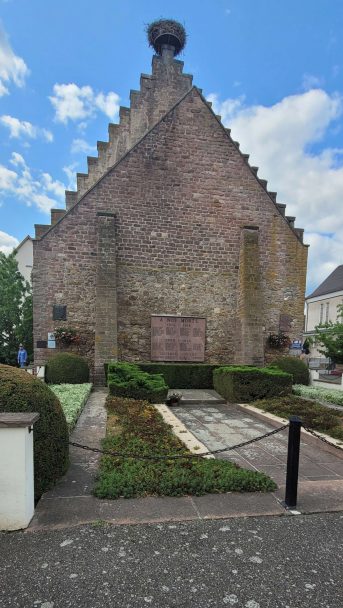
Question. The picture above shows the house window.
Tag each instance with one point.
(327, 312)
(321, 313)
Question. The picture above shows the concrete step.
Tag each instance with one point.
(198, 396)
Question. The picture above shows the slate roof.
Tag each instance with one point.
(334, 282)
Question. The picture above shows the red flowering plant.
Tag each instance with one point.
(65, 336)
(279, 340)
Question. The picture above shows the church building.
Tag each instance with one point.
(172, 248)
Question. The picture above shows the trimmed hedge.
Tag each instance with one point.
(183, 375)
(66, 368)
(20, 392)
(294, 366)
(127, 380)
(180, 375)
(249, 383)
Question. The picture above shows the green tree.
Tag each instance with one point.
(330, 337)
(15, 311)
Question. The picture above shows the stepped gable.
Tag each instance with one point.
(159, 93)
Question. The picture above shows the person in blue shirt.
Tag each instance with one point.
(22, 356)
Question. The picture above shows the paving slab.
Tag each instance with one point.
(197, 396)
(268, 455)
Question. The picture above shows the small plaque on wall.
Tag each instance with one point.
(41, 344)
(178, 338)
(285, 323)
(59, 313)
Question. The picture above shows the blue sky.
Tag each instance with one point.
(274, 71)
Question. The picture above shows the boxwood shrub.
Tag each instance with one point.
(294, 366)
(183, 375)
(249, 383)
(128, 380)
(66, 368)
(20, 392)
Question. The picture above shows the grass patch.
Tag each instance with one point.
(319, 394)
(72, 398)
(137, 427)
(313, 415)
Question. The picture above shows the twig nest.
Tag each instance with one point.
(169, 32)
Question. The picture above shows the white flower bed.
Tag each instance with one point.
(73, 398)
(320, 394)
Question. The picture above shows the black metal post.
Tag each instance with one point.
(293, 462)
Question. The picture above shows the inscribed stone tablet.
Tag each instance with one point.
(177, 338)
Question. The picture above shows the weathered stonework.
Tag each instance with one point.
(193, 231)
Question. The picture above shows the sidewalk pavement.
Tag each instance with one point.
(71, 503)
(264, 562)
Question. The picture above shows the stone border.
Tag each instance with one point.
(181, 431)
(276, 421)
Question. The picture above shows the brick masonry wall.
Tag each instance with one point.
(181, 199)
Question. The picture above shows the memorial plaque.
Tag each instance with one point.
(285, 323)
(177, 338)
(41, 344)
(59, 313)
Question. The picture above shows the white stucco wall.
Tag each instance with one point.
(326, 303)
(24, 257)
(16, 478)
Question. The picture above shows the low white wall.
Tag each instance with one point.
(16, 472)
(316, 383)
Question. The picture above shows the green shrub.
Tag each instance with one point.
(249, 383)
(294, 366)
(66, 368)
(137, 427)
(180, 375)
(20, 392)
(127, 380)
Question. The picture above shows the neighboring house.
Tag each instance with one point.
(321, 304)
(24, 257)
(172, 248)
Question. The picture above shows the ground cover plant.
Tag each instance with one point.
(72, 398)
(312, 414)
(20, 392)
(247, 383)
(137, 427)
(319, 394)
(128, 380)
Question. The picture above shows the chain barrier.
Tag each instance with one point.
(323, 439)
(176, 456)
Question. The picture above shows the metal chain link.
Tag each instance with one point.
(323, 439)
(178, 456)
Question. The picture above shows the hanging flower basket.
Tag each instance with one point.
(66, 336)
(278, 341)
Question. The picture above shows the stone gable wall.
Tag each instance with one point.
(181, 200)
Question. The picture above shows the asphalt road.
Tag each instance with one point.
(276, 562)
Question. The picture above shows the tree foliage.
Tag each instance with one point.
(330, 337)
(15, 311)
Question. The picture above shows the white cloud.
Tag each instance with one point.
(81, 146)
(70, 171)
(13, 69)
(279, 139)
(32, 190)
(75, 103)
(7, 242)
(22, 128)
(326, 252)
